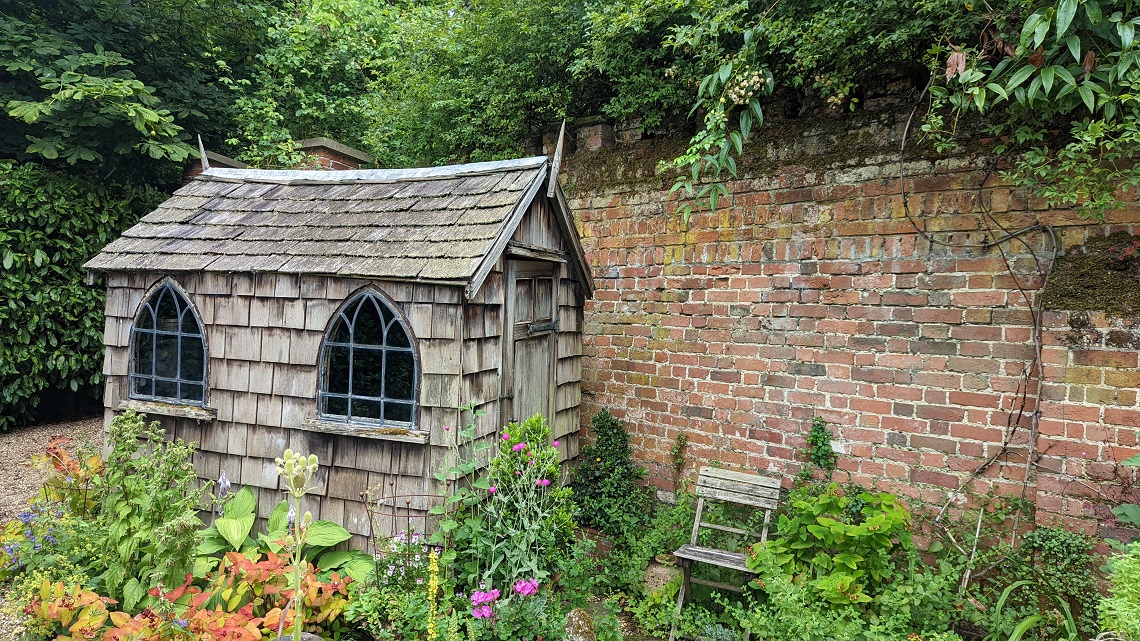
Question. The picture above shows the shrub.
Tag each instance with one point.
(1120, 612)
(847, 545)
(50, 224)
(1054, 566)
(606, 482)
(149, 511)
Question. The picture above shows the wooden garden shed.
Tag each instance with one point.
(350, 314)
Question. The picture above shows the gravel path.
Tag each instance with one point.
(20, 479)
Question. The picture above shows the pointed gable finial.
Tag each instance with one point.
(202, 151)
(556, 163)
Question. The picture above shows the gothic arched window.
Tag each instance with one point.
(168, 353)
(368, 365)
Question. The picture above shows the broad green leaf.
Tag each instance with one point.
(133, 592)
(1127, 31)
(1019, 77)
(333, 560)
(1074, 44)
(1087, 97)
(359, 568)
(1040, 32)
(235, 530)
(1063, 74)
(996, 88)
(1128, 513)
(242, 503)
(1047, 74)
(1092, 10)
(279, 517)
(725, 71)
(326, 534)
(1065, 12)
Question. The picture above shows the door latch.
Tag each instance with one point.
(534, 328)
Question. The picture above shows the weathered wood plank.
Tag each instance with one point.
(269, 410)
(712, 556)
(736, 497)
(740, 477)
(295, 380)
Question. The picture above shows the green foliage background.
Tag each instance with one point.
(50, 224)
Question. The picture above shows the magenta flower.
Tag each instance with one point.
(480, 598)
(492, 489)
(527, 587)
(519, 447)
(542, 482)
(556, 443)
(482, 612)
(506, 437)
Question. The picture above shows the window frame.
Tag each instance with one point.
(185, 306)
(354, 303)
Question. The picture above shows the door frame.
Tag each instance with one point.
(514, 269)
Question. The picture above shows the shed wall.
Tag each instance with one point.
(263, 336)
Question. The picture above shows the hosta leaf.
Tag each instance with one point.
(326, 534)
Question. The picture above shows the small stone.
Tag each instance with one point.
(580, 626)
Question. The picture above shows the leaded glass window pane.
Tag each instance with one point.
(368, 366)
(168, 354)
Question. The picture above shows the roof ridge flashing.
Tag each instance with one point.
(332, 177)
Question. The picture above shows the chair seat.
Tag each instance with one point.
(712, 556)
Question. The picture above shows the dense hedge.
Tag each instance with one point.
(51, 320)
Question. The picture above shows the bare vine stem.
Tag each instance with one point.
(1028, 392)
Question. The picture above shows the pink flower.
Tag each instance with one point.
(527, 587)
(556, 443)
(506, 437)
(519, 447)
(480, 598)
(518, 472)
(482, 612)
(447, 429)
(542, 482)
(492, 489)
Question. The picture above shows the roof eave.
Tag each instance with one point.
(487, 264)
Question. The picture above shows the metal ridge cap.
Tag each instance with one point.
(334, 177)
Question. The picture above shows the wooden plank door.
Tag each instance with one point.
(533, 322)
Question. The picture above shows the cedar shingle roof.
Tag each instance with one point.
(435, 224)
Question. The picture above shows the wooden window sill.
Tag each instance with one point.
(377, 432)
(196, 412)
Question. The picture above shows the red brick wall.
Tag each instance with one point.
(809, 293)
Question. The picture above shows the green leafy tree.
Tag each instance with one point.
(113, 86)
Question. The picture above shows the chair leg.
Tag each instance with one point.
(681, 594)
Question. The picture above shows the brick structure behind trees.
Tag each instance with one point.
(810, 294)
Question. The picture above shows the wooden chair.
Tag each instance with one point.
(715, 484)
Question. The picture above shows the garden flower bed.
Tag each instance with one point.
(116, 550)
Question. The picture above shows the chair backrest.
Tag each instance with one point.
(713, 483)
